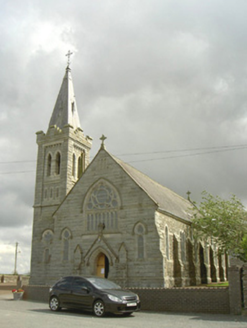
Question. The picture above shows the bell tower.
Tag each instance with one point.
(63, 152)
(63, 155)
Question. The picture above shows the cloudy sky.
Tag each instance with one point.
(164, 80)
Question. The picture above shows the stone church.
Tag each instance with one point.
(106, 218)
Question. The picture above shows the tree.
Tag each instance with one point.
(225, 221)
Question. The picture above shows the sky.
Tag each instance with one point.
(164, 80)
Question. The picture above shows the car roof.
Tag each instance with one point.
(83, 277)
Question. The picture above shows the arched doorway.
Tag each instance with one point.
(102, 264)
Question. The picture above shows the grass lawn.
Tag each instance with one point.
(218, 284)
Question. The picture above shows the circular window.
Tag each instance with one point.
(102, 197)
(66, 234)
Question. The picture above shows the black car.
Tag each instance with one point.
(92, 294)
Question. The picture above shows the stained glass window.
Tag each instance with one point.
(102, 207)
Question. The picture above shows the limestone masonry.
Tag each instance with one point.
(106, 218)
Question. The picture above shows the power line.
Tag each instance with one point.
(10, 162)
(184, 150)
(186, 155)
(152, 152)
(203, 151)
(155, 152)
(16, 172)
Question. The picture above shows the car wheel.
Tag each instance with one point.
(54, 304)
(99, 308)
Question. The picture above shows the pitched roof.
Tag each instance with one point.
(65, 110)
(166, 200)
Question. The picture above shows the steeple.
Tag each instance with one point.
(63, 152)
(65, 110)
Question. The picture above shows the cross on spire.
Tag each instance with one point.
(103, 138)
(68, 55)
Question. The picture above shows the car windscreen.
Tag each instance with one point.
(103, 283)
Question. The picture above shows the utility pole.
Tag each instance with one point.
(16, 251)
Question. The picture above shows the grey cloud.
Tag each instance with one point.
(152, 76)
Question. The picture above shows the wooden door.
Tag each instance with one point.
(101, 265)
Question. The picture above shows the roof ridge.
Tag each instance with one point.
(146, 176)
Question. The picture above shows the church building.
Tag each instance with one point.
(106, 218)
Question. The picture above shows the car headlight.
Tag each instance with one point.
(137, 298)
(114, 298)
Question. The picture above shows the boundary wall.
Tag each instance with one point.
(197, 300)
(181, 299)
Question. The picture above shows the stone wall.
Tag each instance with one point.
(235, 295)
(14, 279)
(36, 293)
(197, 300)
(9, 278)
(188, 299)
(244, 286)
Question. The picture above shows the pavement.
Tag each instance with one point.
(28, 314)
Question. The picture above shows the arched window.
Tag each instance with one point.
(58, 163)
(167, 244)
(49, 160)
(101, 207)
(65, 237)
(73, 165)
(139, 232)
(47, 238)
(183, 246)
(81, 165)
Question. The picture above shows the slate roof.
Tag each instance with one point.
(166, 200)
(65, 110)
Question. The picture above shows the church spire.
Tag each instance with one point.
(65, 110)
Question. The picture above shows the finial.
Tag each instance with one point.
(103, 138)
(68, 55)
(188, 193)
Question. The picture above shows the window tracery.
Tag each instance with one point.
(102, 206)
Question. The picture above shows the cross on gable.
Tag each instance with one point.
(68, 55)
(103, 138)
